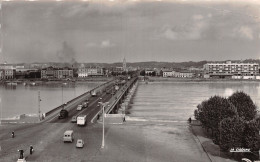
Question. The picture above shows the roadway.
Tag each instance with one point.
(91, 111)
(49, 133)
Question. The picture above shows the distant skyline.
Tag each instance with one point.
(107, 31)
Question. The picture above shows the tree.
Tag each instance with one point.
(213, 111)
(153, 73)
(202, 116)
(246, 109)
(142, 73)
(196, 114)
(231, 133)
(250, 136)
(124, 73)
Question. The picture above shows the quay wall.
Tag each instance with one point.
(162, 79)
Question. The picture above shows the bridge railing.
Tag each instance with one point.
(78, 99)
(121, 92)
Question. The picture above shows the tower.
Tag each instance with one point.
(124, 64)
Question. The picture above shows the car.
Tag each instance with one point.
(74, 119)
(79, 107)
(80, 143)
(85, 104)
(21, 160)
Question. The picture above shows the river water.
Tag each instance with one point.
(176, 101)
(20, 99)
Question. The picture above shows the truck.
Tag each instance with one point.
(63, 114)
(81, 120)
(68, 136)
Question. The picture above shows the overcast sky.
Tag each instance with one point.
(144, 30)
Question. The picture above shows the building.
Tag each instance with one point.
(91, 71)
(8, 71)
(149, 72)
(48, 73)
(184, 74)
(117, 70)
(168, 73)
(1, 74)
(229, 69)
(56, 73)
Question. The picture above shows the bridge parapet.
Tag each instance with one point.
(80, 98)
(119, 95)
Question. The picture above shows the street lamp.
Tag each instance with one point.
(62, 93)
(103, 136)
(39, 105)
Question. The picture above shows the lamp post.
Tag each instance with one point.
(103, 119)
(39, 105)
(62, 93)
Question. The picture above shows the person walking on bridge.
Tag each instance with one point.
(31, 149)
(21, 154)
(12, 134)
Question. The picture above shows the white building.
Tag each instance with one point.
(168, 73)
(7, 71)
(91, 71)
(228, 69)
(186, 74)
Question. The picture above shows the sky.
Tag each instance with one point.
(106, 31)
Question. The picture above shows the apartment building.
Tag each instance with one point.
(231, 69)
(91, 71)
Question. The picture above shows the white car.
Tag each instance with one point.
(21, 160)
(80, 143)
(79, 107)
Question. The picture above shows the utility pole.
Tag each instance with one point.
(39, 105)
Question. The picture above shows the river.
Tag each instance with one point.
(20, 99)
(176, 101)
(171, 101)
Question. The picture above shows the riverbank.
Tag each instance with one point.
(38, 81)
(162, 79)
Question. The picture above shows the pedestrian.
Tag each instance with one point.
(124, 119)
(31, 149)
(12, 134)
(21, 154)
(189, 119)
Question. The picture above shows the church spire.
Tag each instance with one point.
(124, 64)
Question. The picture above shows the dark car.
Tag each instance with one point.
(74, 119)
